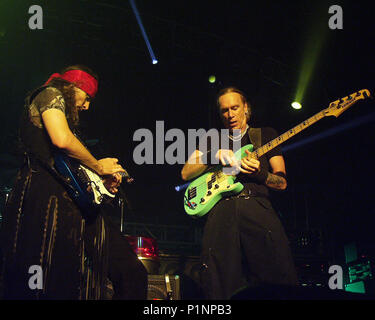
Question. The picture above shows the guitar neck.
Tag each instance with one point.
(288, 134)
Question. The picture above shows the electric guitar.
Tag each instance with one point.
(205, 191)
(84, 185)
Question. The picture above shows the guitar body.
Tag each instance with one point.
(204, 192)
(83, 185)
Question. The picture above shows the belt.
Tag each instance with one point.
(247, 193)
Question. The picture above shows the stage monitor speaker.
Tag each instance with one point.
(163, 287)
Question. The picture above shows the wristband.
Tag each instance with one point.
(261, 176)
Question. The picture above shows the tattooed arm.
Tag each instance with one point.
(277, 179)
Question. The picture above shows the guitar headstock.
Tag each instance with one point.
(339, 106)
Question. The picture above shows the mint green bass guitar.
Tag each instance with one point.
(205, 191)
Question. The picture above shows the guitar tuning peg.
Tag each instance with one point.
(350, 97)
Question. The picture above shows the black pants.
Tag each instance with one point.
(125, 270)
(244, 244)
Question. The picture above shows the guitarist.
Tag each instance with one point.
(244, 243)
(42, 225)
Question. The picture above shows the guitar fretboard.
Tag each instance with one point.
(287, 135)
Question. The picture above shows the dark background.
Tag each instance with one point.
(261, 48)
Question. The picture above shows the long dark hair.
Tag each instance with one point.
(68, 92)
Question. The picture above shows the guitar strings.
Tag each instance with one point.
(219, 177)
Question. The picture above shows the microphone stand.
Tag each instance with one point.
(121, 204)
(122, 200)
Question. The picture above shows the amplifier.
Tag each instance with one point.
(163, 287)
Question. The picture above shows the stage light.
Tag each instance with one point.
(212, 79)
(143, 31)
(316, 37)
(181, 187)
(296, 105)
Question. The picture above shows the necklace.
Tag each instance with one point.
(238, 137)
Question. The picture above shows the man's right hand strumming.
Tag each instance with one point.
(109, 166)
(226, 157)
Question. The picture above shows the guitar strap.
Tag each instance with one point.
(255, 136)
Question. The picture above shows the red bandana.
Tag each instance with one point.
(81, 79)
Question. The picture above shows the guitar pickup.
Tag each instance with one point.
(192, 193)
